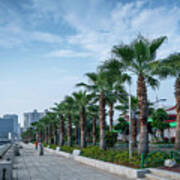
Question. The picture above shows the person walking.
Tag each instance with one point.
(41, 149)
(36, 145)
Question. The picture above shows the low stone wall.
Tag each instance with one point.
(164, 173)
(61, 153)
(109, 167)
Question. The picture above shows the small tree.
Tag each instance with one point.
(158, 123)
(123, 126)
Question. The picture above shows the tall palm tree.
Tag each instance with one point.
(137, 58)
(93, 114)
(97, 84)
(170, 66)
(82, 99)
(115, 85)
(59, 110)
(123, 107)
(68, 107)
(52, 128)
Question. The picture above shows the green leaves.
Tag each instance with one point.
(139, 58)
(155, 44)
(159, 117)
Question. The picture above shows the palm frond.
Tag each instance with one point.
(155, 44)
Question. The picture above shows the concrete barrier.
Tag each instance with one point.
(61, 153)
(165, 174)
(7, 159)
(5, 170)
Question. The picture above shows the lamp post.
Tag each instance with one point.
(130, 123)
(130, 120)
(157, 102)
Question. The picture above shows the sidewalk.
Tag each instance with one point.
(31, 166)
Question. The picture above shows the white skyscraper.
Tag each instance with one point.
(31, 117)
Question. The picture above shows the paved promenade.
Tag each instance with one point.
(31, 166)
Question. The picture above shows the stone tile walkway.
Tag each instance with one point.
(31, 166)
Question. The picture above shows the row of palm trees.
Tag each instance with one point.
(106, 88)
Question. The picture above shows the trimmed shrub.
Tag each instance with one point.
(111, 139)
(68, 149)
(53, 146)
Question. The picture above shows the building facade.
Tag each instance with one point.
(31, 117)
(9, 126)
(15, 122)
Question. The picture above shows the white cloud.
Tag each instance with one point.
(45, 37)
(12, 35)
(125, 22)
(69, 54)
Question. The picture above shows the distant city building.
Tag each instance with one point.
(15, 122)
(31, 117)
(9, 125)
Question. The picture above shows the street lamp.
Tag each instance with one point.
(130, 120)
(158, 100)
(130, 123)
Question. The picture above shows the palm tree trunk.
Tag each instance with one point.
(76, 129)
(55, 135)
(46, 135)
(134, 132)
(162, 135)
(102, 120)
(142, 104)
(61, 133)
(82, 124)
(111, 113)
(177, 95)
(124, 138)
(69, 131)
(94, 130)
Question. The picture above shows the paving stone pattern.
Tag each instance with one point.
(31, 166)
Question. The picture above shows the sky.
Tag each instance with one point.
(47, 46)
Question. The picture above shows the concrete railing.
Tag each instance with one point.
(6, 161)
(4, 149)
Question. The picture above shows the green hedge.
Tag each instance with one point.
(68, 149)
(113, 156)
(118, 157)
(53, 146)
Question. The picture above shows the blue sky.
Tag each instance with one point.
(46, 46)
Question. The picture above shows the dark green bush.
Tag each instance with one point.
(111, 139)
(68, 149)
(44, 144)
(53, 146)
(113, 156)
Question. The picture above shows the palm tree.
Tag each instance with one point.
(123, 107)
(59, 110)
(81, 99)
(170, 66)
(93, 114)
(68, 107)
(137, 58)
(97, 85)
(115, 86)
(52, 128)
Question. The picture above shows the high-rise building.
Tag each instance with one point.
(9, 125)
(15, 121)
(31, 117)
